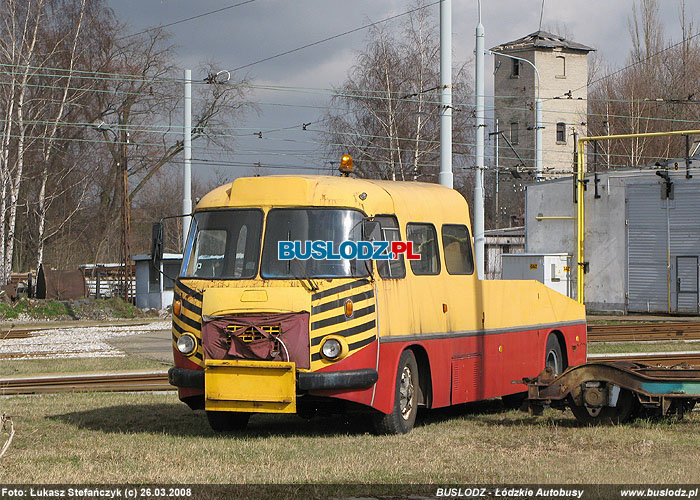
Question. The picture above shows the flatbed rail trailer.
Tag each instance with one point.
(615, 391)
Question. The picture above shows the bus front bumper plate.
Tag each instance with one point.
(250, 386)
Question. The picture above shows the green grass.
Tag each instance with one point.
(44, 309)
(627, 347)
(115, 306)
(152, 437)
(77, 365)
(36, 309)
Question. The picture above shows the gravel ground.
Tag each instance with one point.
(83, 342)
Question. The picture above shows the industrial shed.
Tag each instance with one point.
(642, 237)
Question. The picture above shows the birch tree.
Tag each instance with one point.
(17, 46)
(387, 113)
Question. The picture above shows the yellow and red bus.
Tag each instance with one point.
(256, 334)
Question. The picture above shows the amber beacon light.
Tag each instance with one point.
(346, 167)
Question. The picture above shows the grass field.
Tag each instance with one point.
(152, 437)
(624, 347)
(77, 365)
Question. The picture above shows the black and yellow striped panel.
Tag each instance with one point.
(190, 318)
(328, 318)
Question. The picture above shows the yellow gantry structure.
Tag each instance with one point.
(580, 171)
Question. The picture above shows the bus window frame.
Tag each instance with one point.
(403, 261)
(437, 248)
(444, 252)
(263, 238)
(190, 244)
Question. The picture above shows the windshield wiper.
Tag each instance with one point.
(312, 284)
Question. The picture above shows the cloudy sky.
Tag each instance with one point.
(263, 28)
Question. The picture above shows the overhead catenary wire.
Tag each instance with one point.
(635, 63)
(191, 18)
(318, 42)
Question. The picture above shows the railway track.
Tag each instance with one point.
(110, 382)
(653, 359)
(158, 381)
(645, 332)
(23, 333)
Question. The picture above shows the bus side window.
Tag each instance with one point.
(424, 238)
(390, 269)
(456, 244)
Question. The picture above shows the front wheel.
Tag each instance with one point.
(403, 416)
(227, 421)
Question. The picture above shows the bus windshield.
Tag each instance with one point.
(223, 244)
(311, 224)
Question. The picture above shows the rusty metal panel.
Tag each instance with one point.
(466, 378)
(60, 285)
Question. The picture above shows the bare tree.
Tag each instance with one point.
(386, 114)
(79, 103)
(655, 92)
(18, 44)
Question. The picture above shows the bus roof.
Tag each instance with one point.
(412, 201)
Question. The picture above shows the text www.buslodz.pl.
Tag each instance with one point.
(349, 250)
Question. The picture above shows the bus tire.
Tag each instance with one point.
(403, 416)
(553, 357)
(227, 421)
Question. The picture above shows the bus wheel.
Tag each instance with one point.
(552, 355)
(403, 416)
(227, 421)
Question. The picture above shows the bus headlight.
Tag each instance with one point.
(334, 348)
(186, 344)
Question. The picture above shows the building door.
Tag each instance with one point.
(663, 237)
(687, 284)
(647, 246)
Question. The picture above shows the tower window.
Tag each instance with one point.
(515, 69)
(561, 66)
(561, 133)
(514, 132)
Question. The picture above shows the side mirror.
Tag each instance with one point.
(371, 230)
(157, 243)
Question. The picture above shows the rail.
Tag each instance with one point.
(644, 332)
(91, 382)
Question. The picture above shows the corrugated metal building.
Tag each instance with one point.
(496, 243)
(642, 239)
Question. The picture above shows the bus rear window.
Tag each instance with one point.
(457, 245)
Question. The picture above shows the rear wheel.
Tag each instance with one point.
(403, 416)
(227, 421)
(553, 357)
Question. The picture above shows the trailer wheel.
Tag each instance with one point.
(553, 357)
(606, 415)
(403, 416)
(227, 421)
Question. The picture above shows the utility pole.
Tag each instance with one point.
(446, 176)
(478, 223)
(187, 150)
(126, 220)
(498, 208)
(538, 115)
(538, 132)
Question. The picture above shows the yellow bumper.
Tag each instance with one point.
(250, 386)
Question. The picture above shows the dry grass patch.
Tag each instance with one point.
(77, 365)
(627, 347)
(152, 437)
